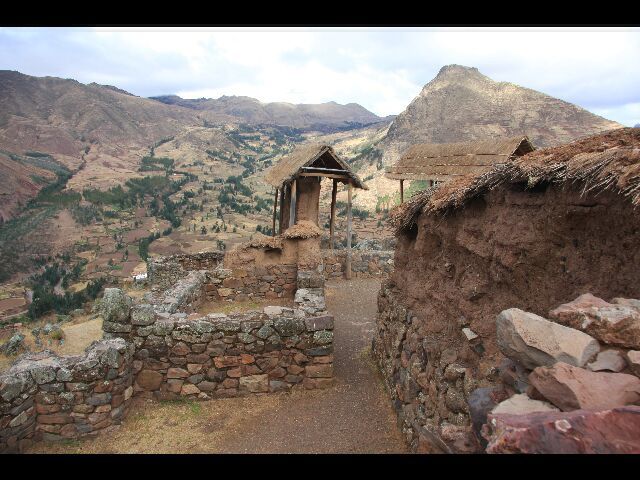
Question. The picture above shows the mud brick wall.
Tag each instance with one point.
(364, 263)
(163, 272)
(226, 356)
(259, 281)
(528, 249)
(45, 397)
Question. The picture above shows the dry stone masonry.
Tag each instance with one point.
(161, 349)
(46, 397)
(550, 394)
(364, 263)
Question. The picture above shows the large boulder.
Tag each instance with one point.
(580, 431)
(613, 324)
(534, 341)
(609, 360)
(14, 346)
(633, 359)
(571, 388)
(481, 402)
(521, 404)
(115, 306)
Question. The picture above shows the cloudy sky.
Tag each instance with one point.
(382, 69)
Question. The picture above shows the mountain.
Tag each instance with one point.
(461, 104)
(322, 116)
(637, 125)
(100, 133)
(64, 116)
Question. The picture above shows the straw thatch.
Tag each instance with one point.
(444, 161)
(315, 155)
(302, 229)
(608, 161)
(263, 241)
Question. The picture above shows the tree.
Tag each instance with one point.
(203, 230)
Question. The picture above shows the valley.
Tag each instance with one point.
(97, 179)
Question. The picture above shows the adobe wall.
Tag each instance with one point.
(307, 201)
(531, 250)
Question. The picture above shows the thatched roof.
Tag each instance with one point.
(312, 155)
(302, 229)
(445, 161)
(608, 161)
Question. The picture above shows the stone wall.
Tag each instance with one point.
(226, 356)
(46, 397)
(220, 356)
(255, 281)
(163, 272)
(364, 263)
(532, 250)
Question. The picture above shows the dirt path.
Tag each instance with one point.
(355, 415)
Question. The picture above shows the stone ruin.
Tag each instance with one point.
(159, 348)
(567, 384)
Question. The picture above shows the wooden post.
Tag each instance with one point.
(348, 263)
(275, 206)
(292, 204)
(281, 205)
(332, 220)
(401, 191)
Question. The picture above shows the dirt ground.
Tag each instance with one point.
(353, 416)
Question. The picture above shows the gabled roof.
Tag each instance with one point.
(306, 156)
(444, 161)
(607, 161)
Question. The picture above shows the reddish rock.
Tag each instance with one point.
(227, 361)
(194, 368)
(295, 369)
(45, 409)
(174, 385)
(189, 389)
(278, 372)
(149, 379)
(197, 358)
(323, 359)
(614, 324)
(230, 383)
(246, 359)
(180, 349)
(68, 431)
(234, 372)
(56, 418)
(177, 373)
(580, 431)
(572, 388)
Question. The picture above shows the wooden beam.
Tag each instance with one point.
(326, 175)
(281, 205)
(275, 207)
(292, 204)
(332, 220)
(342, 170)
(401, 191)
(348, 262)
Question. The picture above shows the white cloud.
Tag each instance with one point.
(383, 69)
